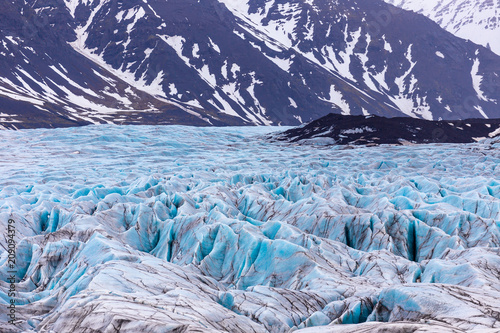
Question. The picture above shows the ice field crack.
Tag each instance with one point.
(265, 237)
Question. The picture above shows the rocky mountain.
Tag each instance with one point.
(221, 62)
(44, 82)
(374, 130)
(477, 20)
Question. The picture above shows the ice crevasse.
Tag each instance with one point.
(161, 229)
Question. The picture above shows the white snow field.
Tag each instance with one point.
(475, 20)
(179, 229)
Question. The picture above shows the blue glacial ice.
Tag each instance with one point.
(161, 229)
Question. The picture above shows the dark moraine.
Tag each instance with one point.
(362, 130)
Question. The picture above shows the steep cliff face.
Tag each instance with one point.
(236, 62)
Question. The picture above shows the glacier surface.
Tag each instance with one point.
(180, 229)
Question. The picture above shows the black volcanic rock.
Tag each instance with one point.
(368, 130)
(236, 62)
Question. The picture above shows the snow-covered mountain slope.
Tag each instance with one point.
(477, 20)
(182, 229)
(249, 61)
(44, 82)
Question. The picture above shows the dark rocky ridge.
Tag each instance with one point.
(368, 130)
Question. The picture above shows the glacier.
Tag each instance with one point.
(183, 229)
